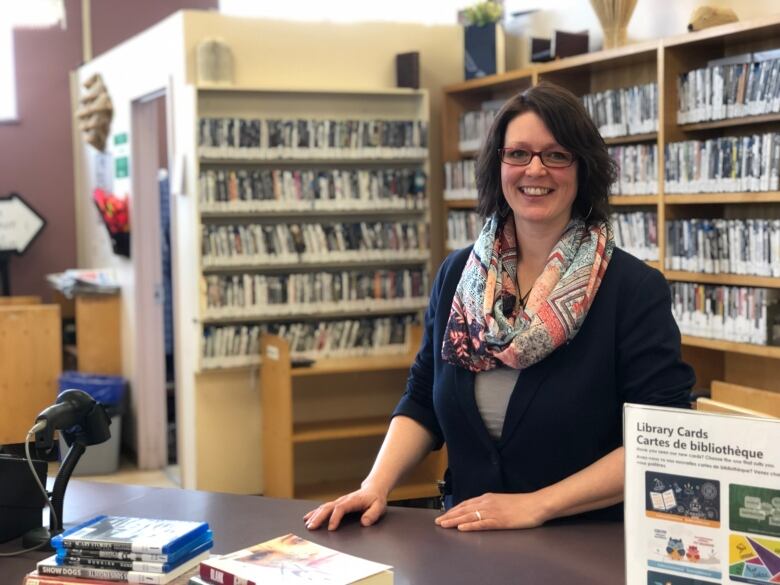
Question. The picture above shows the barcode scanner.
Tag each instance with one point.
(77, 415)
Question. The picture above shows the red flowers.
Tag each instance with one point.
(116, 216)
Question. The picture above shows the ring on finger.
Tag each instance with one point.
(478, 515)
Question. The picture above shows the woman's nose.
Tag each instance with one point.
(535, 167)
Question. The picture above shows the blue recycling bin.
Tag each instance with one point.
(110, 392)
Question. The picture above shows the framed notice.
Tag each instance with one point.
(702, 497)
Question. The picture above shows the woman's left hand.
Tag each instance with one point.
(495, 512)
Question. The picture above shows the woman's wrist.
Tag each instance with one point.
(375, 484)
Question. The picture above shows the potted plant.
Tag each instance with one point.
(484, 39)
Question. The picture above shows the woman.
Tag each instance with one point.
(534, 338)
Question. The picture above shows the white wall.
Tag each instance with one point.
(142, 65)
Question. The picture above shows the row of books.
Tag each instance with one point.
(460, 179)
(637, 233)
(637, 169)
(87, 554)
(732, 87)
(339, 338)
(302, 189)
(463, 227)
(726, 164)
(315, 242)
(473, 126)
(625, 111)
(109, 549)
(320, 291)
(724, 246)
(740, 314)
(310, 138)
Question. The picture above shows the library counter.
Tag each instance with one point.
(420, 552)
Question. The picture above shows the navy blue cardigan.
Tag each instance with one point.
(565, 412)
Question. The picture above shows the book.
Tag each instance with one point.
(35, 578)
(50, 566)
(205, 541)
(90, 560)
(293, 560)
(140, 535)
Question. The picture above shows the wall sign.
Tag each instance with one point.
(19, 224)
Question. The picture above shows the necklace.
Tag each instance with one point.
(524, 298)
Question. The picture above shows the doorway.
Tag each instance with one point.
(154, 395)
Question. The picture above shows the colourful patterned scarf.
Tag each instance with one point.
(488, 325)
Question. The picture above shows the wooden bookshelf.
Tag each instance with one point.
(632, 138)
(718, 198)
(662, 62)
(461, 203)
(731, 122)
(727, 279)
(763, 351)
(620, 200)
(322, 424)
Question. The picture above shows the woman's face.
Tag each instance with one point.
(539, 196)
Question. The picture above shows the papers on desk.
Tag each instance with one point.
(72, 282)
(702, 497)
(292, 560)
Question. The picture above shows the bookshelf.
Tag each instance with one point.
(461, 99)
(323, 424)
(663, 62)
(312, 209)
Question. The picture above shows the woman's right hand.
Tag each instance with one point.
(370, 501)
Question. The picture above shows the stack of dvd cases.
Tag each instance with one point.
(123, 549)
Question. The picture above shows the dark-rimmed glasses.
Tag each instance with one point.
(521, 157)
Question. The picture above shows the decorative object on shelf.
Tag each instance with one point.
(565, 44)
(707, 16)
(484, 40)
(214, 62)
(407, 70)
(116, 216)
(95, 113)
(614, 16)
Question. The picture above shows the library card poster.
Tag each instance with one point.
(702, 497)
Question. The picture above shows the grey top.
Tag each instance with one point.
(492, 390)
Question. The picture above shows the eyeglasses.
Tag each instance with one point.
(520, 157)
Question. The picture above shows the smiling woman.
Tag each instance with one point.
(528, 395)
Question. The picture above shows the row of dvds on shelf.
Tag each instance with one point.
(297, 189)
(460, 179)
(624, 111)
(474, 126)
(277, 138)
(732, 87)
(725, 164)
(637, 169)
(339, 338)
(463, 227)
(724, 246)
(310, 241)
(731, 313)
(637, 233)
(317, 291)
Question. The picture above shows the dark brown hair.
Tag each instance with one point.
(569, 122)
